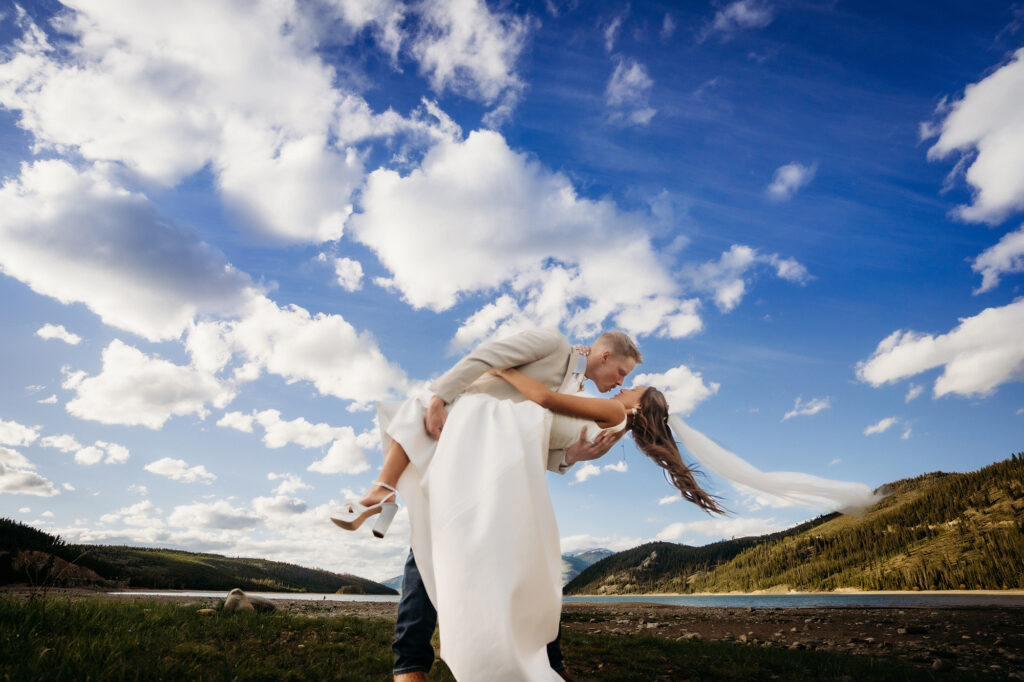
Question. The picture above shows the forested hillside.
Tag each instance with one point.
(31, 556)
(937, 531)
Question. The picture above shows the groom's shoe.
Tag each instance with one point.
(411, 677)
(564, 674)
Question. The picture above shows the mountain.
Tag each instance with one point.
(575, 562)
(936, 531)
(31, 556)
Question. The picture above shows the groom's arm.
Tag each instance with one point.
(514, 351)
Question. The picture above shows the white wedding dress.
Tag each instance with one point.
(483, 530)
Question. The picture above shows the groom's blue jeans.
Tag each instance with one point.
(415, 625)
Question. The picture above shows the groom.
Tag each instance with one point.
(547, 356)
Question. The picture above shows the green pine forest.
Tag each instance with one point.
(938, 531)
(30, 556)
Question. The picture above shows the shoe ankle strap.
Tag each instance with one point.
(384, 485)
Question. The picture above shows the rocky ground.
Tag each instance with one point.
(987, 640)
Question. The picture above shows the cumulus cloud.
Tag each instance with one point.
(986, 127)
(51, 400)
(217, 515)
(140, 515)
(179, 470)
(79, 238)
(737, 16)
(1005, 257)
(727, 278)
(715, 529)
(290, 342)
(290, 483)
(22, 481)
(57, 331)
(476, 216)
(346, 454)
(620, 467)
(237, 421)
(63, 442)
(881, 426)
(789, 179)
(250, 99)
(349, 273)
(587, 470)
(13, 458)
(977, 355)
(102, 451)
(684, 389)
(628, 92)
(812, 406)
(464, 47)
(913, 392)
(134, 388)
(13, 433)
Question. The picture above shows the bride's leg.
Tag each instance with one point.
(394, 464)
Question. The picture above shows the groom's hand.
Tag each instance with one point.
(584, 451)
(434, 421)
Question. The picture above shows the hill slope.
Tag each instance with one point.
(32, 556)
(936, 531)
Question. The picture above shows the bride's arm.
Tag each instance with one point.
(605, 412)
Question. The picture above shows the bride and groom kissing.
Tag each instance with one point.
(468, 460)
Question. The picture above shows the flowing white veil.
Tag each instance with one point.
(804, 490)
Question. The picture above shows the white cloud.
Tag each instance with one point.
(346, 454)
(812, 406)
(111, 453)
(628, 92)
(462, 46)
(139, 515)
(684, 389)
(57, 331)
(323, 349)
(587, 470)
(179, 470)
(77, 237)
(349, 273)
(914, 392)
(716, 529)
(13, 458)
(290, 483)
(279, 507)
(13, 433)
(1006, 256)
(23, 482)
(737, 16)
(834, 462)
(68, 487)
(620, 467)
(64, 443)
(906, 433)
(476, 216)
(789, 179)
(576, 543)
(219, 515)
(669, 499)
(247, 96)
(134, 388)
(52, 400)
(881, 426)
(978, 355)
(138, 489)
(611, 32)
(987, 128)
(668, 27)
(728, 277)
(237, 421)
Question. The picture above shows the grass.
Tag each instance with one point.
(56, 639)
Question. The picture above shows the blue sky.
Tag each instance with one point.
(227, 229)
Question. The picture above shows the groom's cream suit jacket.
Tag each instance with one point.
(543, 354)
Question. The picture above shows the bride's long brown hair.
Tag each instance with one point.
(653, 436)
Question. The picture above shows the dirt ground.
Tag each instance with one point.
(985, 639)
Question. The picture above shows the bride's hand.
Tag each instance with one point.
(497, 372)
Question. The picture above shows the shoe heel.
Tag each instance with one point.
(387, 513)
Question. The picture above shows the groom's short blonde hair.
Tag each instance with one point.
(620, 344)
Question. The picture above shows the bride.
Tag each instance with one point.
(483, 530)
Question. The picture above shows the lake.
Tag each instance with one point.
(757, 601)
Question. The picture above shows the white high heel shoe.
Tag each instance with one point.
(353, 514)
